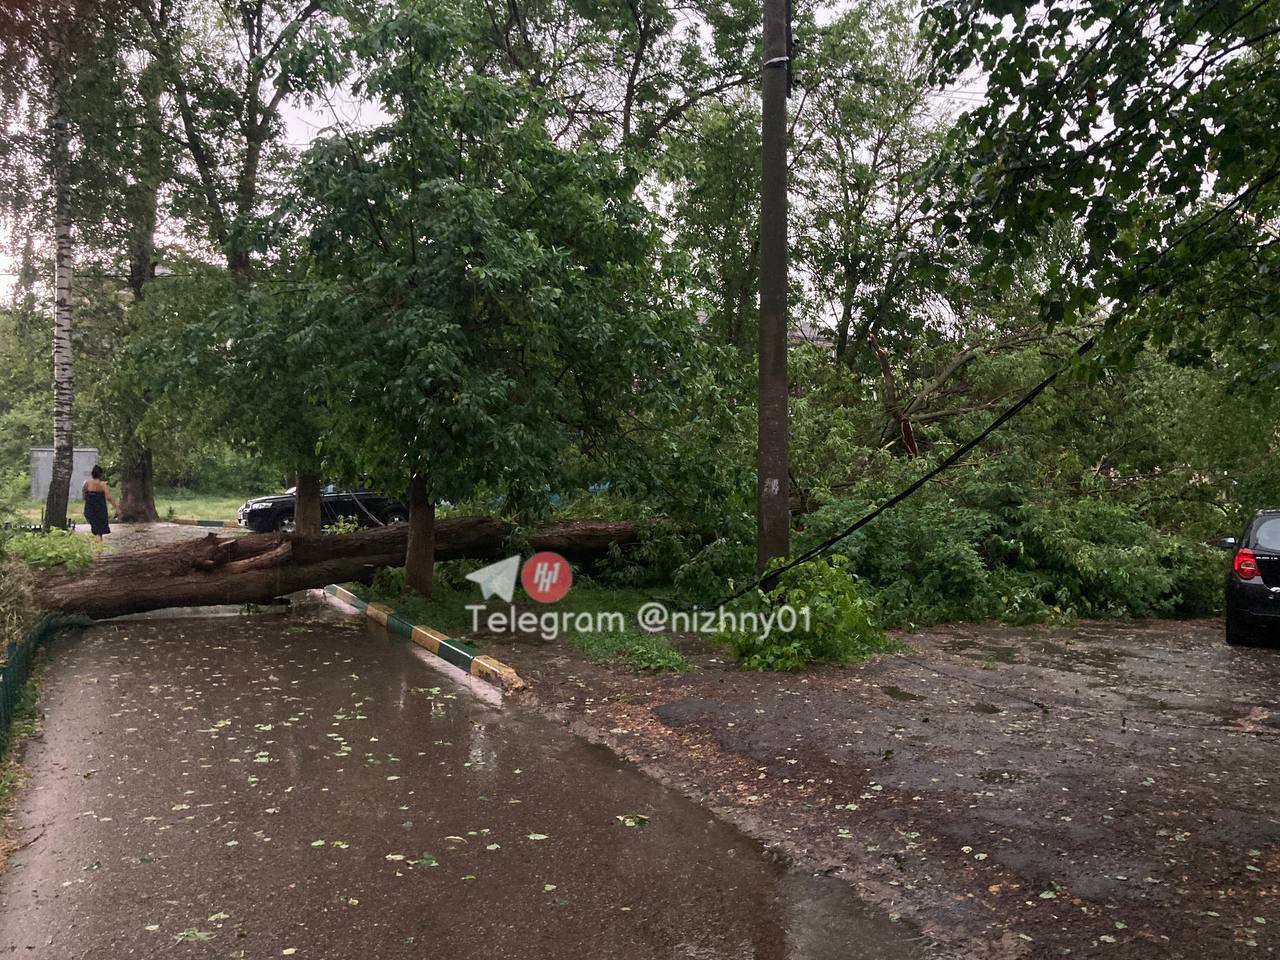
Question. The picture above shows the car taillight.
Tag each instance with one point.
(1245, 564)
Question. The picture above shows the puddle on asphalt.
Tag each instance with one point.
(826, 921)
(305, 785)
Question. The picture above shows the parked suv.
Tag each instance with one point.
(264, 514)
(1253, 582)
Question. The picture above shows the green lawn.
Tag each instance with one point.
(171, 504)
(186, 505)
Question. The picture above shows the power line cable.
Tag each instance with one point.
(814, 552)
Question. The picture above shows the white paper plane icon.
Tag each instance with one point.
(498, 578)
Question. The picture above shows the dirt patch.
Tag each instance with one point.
(1030, 791)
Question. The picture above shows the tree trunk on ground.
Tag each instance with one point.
(137, 487)
(306, 504)
(258, 567)
(420, 553)
(55, 510)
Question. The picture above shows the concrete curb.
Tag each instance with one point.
(203, 523)
(461, 655)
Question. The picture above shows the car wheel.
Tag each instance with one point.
(1237, 634)
(284, 523)
(396, 516)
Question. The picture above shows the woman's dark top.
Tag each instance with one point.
(95, 511)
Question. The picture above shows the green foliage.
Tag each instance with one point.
(712, 568)
(1147, 131)
(13, 497)
(972, 555)
(496, 284)
(16, 601)
(834, 620)
(641, 652)
(494, 290)
(53, 548)
(388, 583)
(342, 525)
(24, 382)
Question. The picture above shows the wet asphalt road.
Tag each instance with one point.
(306, 786)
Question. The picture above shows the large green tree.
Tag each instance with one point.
(495, 293)
(623, 72)
(227, 117)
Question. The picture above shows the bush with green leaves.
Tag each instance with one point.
(989, 546)
(51, 549)
(388, 583)
(835, 620)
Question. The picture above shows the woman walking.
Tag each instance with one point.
(97, 494)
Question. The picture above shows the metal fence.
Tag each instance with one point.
(16, 667)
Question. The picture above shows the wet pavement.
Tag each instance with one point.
(1095, 789)
(306, 786)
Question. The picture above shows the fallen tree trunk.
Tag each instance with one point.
(255, 568)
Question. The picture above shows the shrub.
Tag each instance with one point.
(388, 584)
(839, 625)
(983, 547)
(724, 561)
(51, 549)
(16, 602)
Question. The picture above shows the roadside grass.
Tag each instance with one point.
(446, 610)
(642, 652)
(21, 726)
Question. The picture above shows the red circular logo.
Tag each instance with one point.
(546, 576)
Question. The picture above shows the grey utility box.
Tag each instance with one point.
(42, 470)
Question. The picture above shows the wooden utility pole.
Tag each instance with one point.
(773, 513)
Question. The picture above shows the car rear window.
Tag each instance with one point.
(1267, 535)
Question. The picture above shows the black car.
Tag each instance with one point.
(264, 514)
(1253, 582)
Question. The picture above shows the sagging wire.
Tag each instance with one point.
(771, 577)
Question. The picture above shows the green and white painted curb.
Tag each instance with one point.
(461, 655)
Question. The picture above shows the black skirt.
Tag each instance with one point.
(95, 511)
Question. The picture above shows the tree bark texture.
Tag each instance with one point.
(55, 510)
(255, 568)
(137, 488)
(307, 504)
(420, 554)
